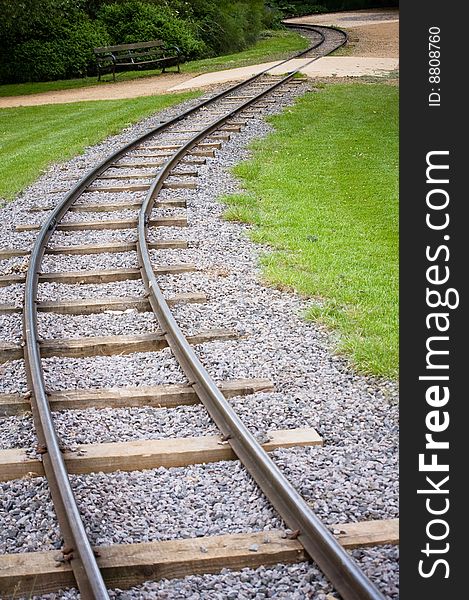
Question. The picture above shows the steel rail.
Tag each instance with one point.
(347, 578)
(77, 547)
(81, 555)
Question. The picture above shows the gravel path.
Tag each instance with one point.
(353, 478)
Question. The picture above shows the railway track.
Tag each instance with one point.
(139, 176)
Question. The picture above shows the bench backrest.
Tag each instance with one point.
(126, 47)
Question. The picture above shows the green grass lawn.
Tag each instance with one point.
(274, 45)
(322, 192)
(31, 138)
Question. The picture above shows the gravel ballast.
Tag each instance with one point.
(262, 412)
(205, 499)
(140, 368)
(353, 478)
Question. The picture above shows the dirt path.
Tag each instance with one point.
(146, 86)
(372, 33)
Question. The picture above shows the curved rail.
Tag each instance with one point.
(76, 542)
(318, 541)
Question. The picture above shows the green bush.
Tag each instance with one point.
(136, 21)
(37, 60)
(228, 27)
(70, 56)
(46, 42)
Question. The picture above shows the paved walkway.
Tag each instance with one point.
(340, 66)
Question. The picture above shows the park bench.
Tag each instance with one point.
(141, 55)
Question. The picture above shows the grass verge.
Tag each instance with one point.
(274, 45)
(322, 192)
(34, 137)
